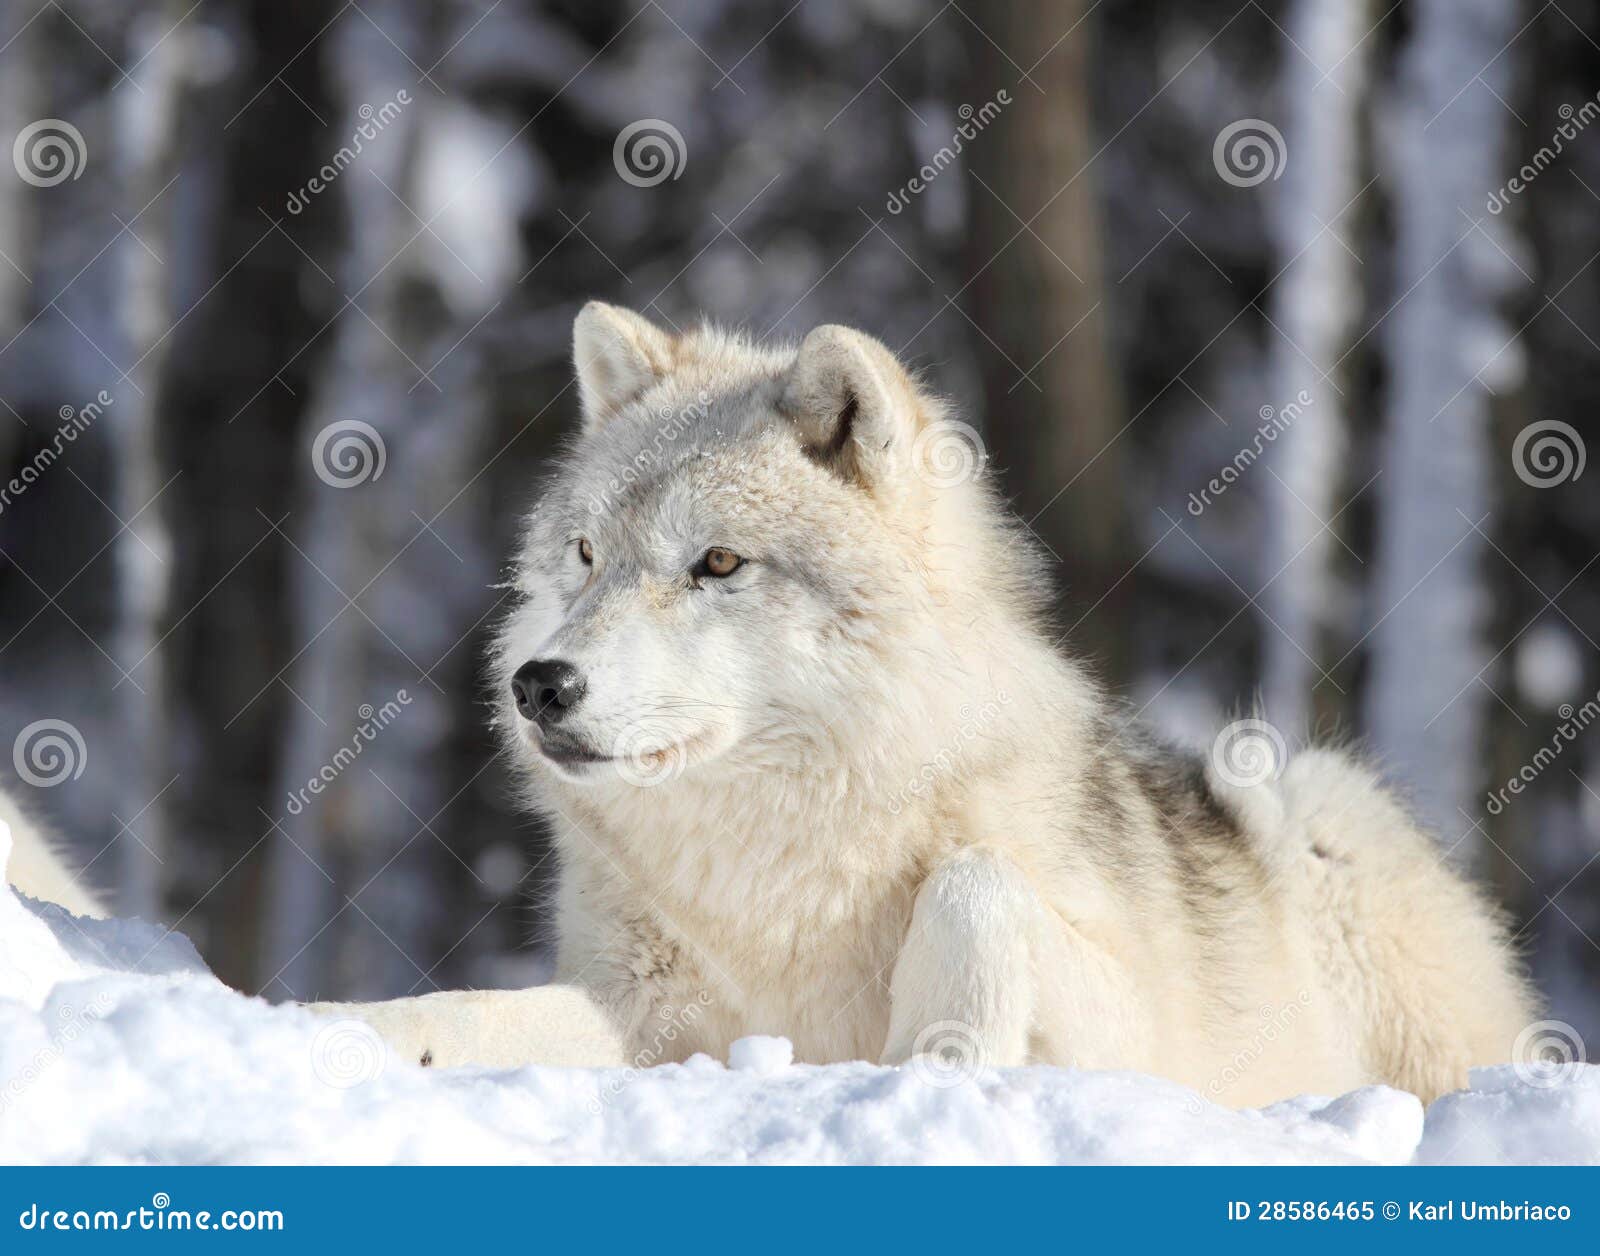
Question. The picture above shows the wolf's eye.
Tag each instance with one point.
(720, 562)
(586, 552)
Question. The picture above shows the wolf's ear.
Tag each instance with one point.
(617, 355)
(856, 408)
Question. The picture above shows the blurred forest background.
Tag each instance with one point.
(299, 280)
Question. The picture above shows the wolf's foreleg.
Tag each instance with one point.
(559, 1025)
(964, 985)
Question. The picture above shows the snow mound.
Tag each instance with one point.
(118, 1046)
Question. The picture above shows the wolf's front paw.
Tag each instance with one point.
(557, 1025)
(359, 1038)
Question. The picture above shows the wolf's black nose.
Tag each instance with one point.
(546, 689)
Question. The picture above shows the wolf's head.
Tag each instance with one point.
(751, 558)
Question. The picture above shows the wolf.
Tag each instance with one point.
(781, 678)
(782, 681)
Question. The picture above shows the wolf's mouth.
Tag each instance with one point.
(635, 764)
(568, 754)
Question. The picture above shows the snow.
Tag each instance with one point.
(761, 1055)
(118, 1046)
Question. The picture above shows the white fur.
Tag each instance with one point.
(851, 794)
(36, 869)
(555, 1025)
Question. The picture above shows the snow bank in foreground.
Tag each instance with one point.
(117, 1045)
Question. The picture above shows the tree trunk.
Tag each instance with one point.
(360, 408)
(1427, 696)
(149, 141)
(1052, 410)
(1315, 302)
